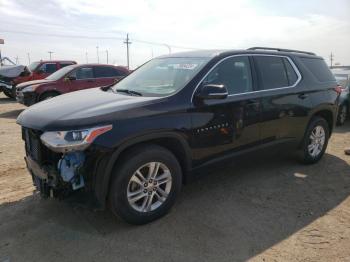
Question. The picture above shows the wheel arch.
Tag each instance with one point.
(328, 116)
(174, 142)
(49, 91)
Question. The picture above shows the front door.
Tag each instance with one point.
(83, 79)
(231, 124)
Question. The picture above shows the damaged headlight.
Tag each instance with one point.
(73, 140)
(29, 88)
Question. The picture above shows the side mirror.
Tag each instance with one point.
(70, 78)
(40, 71)
(211, 91)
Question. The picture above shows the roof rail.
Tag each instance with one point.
(280, 49)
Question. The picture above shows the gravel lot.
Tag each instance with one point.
(275, 210)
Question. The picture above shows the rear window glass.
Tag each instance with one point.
(319, 69)
(106, 71)
(65, 64)
(292, 76)
(272, 73)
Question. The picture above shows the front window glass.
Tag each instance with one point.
(83, 73)
(234, 73)
(33, 66)
(60, 73)
(162, 76)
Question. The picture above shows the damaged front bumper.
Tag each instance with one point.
(61, 181)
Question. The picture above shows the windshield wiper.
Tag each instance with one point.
(130, 92)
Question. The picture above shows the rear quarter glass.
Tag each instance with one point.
(319, 69)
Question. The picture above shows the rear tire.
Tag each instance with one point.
(145, 184)
(315, 140)
(342, 114)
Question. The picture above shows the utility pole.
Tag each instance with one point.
(28, 58)
(17, 60)
(107, 56)
(127, 42)
(98, 56)
(331, 57)
(50, 52)
(86, 57)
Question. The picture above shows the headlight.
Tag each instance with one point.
(30, 88)
(74, 140)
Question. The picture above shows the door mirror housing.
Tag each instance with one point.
(40, 71)
(212, 91)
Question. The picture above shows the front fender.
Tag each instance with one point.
(105, 164)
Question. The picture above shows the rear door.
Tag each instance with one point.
(230, 124)
(83, 78)
(106, 75)
(284, 105)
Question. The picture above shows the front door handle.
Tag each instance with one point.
(252, 102)
(303, 96)
(91, 80)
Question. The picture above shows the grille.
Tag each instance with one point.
(32, 144)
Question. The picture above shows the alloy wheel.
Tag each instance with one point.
(317, 141)
(149, 187)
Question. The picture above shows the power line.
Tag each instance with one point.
(100, 37)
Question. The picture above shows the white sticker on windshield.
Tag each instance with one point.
(185, 66)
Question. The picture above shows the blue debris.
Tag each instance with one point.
(68, 167)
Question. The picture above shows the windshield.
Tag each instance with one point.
(342, 79)
(33, 66)
(60, 73)
(162, 76)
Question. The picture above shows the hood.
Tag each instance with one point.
(82, 109)
(11, 71)
(33, 82)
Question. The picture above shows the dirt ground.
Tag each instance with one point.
(271, 209)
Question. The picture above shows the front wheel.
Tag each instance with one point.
(315, 140)
(146, 182)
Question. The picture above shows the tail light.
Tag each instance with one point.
(338, 89)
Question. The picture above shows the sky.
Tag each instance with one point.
(73, 29)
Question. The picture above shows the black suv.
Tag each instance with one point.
(133, 144)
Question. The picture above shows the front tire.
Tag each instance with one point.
(146, 182)
(8, 93)
(47, 96)
(315, 140)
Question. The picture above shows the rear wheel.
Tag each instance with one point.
(342, 114)
(315, 141)
(145, 184)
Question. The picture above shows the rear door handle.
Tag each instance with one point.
(303, 96)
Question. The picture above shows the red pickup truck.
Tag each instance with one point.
(35, 71)
(69, 79)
